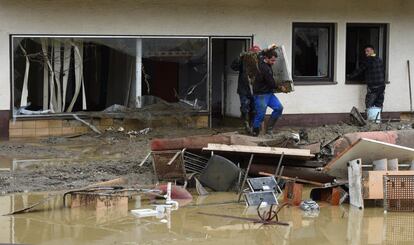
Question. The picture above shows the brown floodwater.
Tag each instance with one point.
(5, 163)
(53, 224)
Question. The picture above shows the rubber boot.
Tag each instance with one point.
(246, 123)
(270, 124)
(255, 132)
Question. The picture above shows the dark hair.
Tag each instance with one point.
(369, 46)
(270, 53)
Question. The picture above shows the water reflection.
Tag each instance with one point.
(53, 224)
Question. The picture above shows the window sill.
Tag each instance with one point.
(310, 83)
(360, 82)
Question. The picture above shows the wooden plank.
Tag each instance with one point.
(288, 152)
(322, 185)
(355, 183)
(373, 183)
(368, 150)
(314, 148)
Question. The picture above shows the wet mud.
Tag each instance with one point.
(65, 163)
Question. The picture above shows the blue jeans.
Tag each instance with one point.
(263, 101)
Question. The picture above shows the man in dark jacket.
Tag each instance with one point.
(244, 89)
(263, 91)
(373, 69)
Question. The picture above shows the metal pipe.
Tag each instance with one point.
(280, 163)
(195, 155)
(174, 157)
(245, 177)
(194, 167)
(194, 164)
(280, 174)
(399, 165)
(145, 159)
(409, 85)
(195, 160)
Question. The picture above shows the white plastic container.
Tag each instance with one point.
(140, 213)
(374, 114)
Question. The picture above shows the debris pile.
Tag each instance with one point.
(266, 174)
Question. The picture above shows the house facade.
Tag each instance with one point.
(70, 56)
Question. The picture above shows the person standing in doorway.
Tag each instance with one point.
(244, 88)
(263, 90)
(373, 69)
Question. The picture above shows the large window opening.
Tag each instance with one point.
(65, 75)
(357, 37)
(313, 52)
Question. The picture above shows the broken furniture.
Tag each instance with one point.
(219, 174)
(261, 198)
(368, 151)
(163, 210)
(400, 138)
(369, 184)
(169, 166)
(398, 193)
(333, 195)
(263, 190)
(194, 163)
(301, 175)
(296, 164)
(373, 182)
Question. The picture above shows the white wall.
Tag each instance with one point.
(270, 21)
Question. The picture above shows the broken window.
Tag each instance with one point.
(63, 75)
(183, 62)
(357, 37)
(313, 51)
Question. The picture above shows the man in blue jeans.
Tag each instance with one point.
(263, 91)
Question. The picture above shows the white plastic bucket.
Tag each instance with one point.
(374, 114)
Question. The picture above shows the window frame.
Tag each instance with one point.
(385, 44)
(65, 114)
(249, 37)
(313, 80)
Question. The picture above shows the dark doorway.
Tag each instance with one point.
(224, 99)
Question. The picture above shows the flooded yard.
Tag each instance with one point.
(54, 224)
(33, 170)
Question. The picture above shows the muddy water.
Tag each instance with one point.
(5, 163)
(54, 224)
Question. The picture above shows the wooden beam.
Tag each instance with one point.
(288, 152)
(322, 185)
(355, 183)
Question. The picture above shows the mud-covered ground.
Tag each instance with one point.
(72, 162)
(61, 163)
